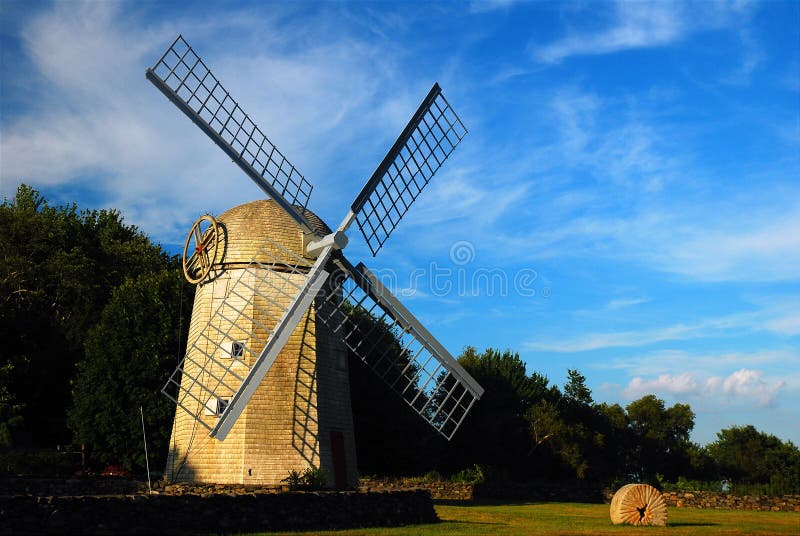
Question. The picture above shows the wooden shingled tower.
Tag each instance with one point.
(279, 310)
(299, 416)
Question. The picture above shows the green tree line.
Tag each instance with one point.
(525, 428)
(94, 317)
(90, 315)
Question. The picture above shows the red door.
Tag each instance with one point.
(339, 462)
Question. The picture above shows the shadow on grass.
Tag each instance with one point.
(465, 523)
(490, 502)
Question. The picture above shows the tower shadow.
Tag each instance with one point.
(305, 412)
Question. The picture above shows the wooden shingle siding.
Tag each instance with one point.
(304, 396)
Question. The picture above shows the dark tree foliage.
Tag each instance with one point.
(576, 390)
(391, 439)
(571, 436)
(129, 353)
(611, 459)
(745, 454)
(659, 438)
(495, 432)
(10, 410)
(58, 269)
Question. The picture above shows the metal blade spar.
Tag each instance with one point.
(429, 138)
(185, 79)
(393, 343)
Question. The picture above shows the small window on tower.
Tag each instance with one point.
(216, 406)
(233, 350)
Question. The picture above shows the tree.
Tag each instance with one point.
(660, 438)
(745, 454)
(575, 438)
(575, 389)
(391, 439)
(495, 432)
(58, 269)
(129, 354)
(10, 410)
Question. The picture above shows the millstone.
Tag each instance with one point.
(638, 504)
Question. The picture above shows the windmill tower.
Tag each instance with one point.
(301, 409)
(279, 304)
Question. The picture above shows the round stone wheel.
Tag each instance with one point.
(638, 504)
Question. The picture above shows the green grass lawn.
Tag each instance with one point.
(575, 518)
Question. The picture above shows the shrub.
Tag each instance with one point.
(472, 475)
(313, 478)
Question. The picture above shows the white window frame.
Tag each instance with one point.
(215, 407)
(233, 350)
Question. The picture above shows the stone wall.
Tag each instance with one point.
(101, 485)
(217, 513)
(455, 491)
(579, 492)
(718, 500)
(438, 489)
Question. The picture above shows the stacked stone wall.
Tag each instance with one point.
(728, 501)
(579, 492)
(215, 514)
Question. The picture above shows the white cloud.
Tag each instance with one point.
(638, 25)
(778, 320)
(99, 117)
(704, 363)
(785, 325)
(645, 196)
(681, 384)
(749, 385)
(622, 303)
(485, 6)
(742, 387)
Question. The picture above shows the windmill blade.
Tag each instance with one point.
(387, 337)
(431, 135)
(228, 358)
(185, 79)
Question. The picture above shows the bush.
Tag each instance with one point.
(472, 475)
(39, 462)
(684, 484)
(312, 479)
(777, 486)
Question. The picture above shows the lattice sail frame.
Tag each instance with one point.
(414, 364)
(398, 349)
(262, 300)
(186, 80)
(430, 137)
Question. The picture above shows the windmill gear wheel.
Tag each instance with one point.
(638, 504)
(200, 249)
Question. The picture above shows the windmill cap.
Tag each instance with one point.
(245, 227)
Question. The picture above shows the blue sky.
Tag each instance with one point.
(626, 203)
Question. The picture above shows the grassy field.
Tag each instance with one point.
(575, 518)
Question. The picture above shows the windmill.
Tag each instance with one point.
(294, 275)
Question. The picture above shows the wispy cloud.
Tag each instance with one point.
(752, 56)
(98, 116)
(711, 363)
(742, 387)
(777, 321)
(485, 6)
(622, 303)
(636, 25)
(641, 192)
